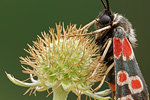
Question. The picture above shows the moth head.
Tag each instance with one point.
(105, 17)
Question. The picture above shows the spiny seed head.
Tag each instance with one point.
(65, 61)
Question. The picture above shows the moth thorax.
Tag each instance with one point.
(126, 25)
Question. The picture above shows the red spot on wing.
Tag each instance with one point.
(112, 87)
(122, 77)
(127, 50)
(117, 46)
(136, 84)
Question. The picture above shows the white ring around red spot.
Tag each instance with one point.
(135, 84)
(122, 77)
(128, 97)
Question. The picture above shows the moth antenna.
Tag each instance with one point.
(107, 5)
(103, 4)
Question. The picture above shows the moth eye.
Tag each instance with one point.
(105, 19)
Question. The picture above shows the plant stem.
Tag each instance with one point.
(59, 93)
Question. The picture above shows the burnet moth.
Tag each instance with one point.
(125, 78)
(116, 38)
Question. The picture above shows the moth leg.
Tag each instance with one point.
(91, 33)
(102, 57)
(89, 24)
(84, 27)
(107, 71)
(107, 45)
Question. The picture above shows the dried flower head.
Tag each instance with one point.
(58, 61)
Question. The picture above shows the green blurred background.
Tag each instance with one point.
(22, 20)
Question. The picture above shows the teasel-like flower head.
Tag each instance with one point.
(62, 63)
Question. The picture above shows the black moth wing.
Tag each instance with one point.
(130, 84)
